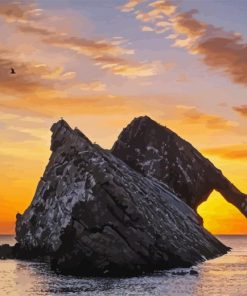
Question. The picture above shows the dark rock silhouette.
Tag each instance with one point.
(6, 252)
(156, 151)
(180, 272)
(185, 272)
(194, 272)
(94, 215)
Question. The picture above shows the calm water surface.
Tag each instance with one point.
(224, 276)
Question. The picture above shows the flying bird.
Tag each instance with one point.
(13, 71)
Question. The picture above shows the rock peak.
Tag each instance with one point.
(61, 131)
(143, 120)
(145, 124)
(156, 151)
(59, 124)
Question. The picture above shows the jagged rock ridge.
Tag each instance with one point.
(94, 215)
(155, 150)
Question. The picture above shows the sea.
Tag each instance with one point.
(223, 276)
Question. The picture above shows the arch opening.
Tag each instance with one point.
(221, 217)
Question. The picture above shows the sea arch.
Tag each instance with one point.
(221, 217)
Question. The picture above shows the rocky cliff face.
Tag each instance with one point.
(94, 215)
(156, 151)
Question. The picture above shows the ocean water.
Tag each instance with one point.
(223, 276)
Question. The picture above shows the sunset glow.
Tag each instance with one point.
(100, 65)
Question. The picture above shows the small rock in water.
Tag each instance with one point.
(6, 252)
(193, 272)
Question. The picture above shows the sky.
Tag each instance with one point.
(98, 64)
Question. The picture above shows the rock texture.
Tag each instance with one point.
(156, 151)
(92, 214)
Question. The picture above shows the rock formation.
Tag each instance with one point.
(6, 252)
(92, 214)
(156, 151)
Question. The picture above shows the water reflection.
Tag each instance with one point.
(222, 276)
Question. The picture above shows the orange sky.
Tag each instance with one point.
(184, 68)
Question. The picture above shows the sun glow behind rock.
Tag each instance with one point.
(72, 64)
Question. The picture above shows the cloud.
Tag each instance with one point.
(157, 10)
(102, 52)
(89, 104)
(30, 77)
(93, 86)
(219, 49)
(147, 29)
(19, 10)
(191, 115)
(80, 45)
(107, 55)
(71, 105)
(10, 119)
(130, 69)
(185, 24)
(242, 110)
(165, 7)
(37, 79)
(52, 74)
(131, 5)
(224, 52)
(13, 134)
(238, 151)
(27, 78)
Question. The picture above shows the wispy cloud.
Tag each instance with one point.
(108, 55)
(30, 77)
(19, 10)
(238, 151)
(26, 18)
(130, 5)
(147, 29)
(218, 48)
(97, 86)
(122, 67)
(162, 7)
(242, 110)
(192, 116)
(12, 134)
(27, 78)
(62, 106)
(92, 48)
